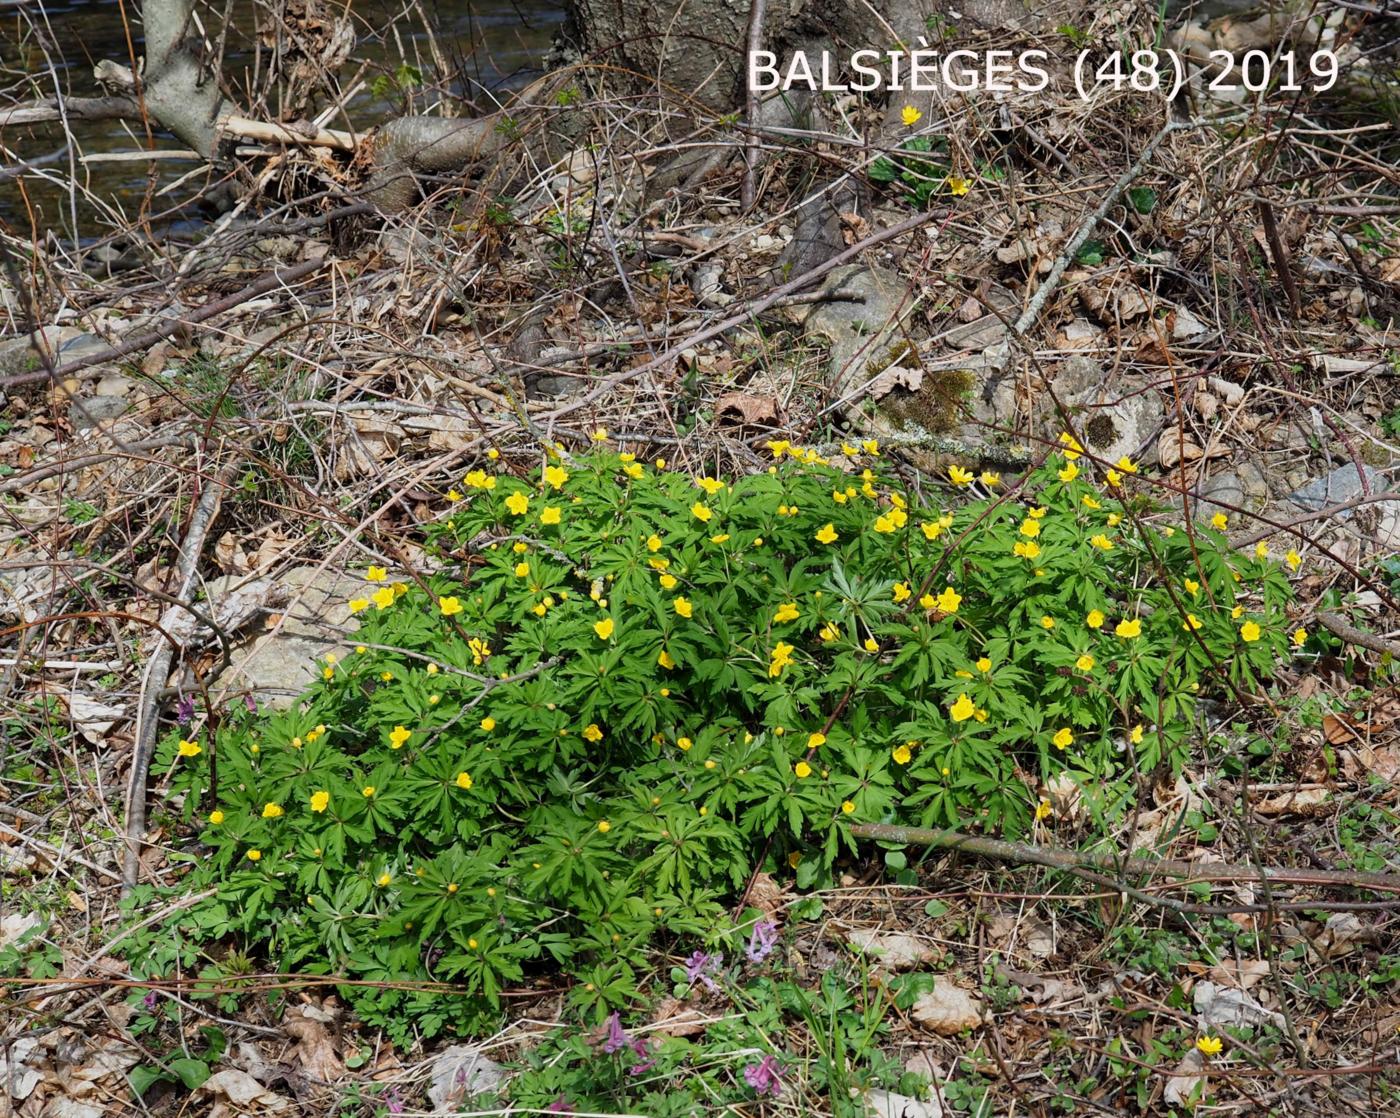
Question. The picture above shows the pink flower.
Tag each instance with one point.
(765, 1077)
(762, 941)
(617, 1039)
(700, 966)
(617, 1036)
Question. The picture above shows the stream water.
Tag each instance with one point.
(48, 47)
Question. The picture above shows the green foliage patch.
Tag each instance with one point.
(634, 687)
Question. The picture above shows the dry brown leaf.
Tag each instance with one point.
(1303, 801)
(1066, 797)
(674, 1018)
(229, 556)
(893, 950)
(153, 363)
(1184, 1080)
(237, 1093)
(1014, 931)
(270, 549)
(751, 408)
(768, 896)
(854, 228)
(1241, 975)
(315, 1048)
(948, 1009)
(1040, 988)
(1173, 449)
(925, 1062)
(1384, 763)
(1341, 935)
(1338, 730)
(895, 376)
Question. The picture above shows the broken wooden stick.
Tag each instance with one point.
(270, 132)
(1132, 866)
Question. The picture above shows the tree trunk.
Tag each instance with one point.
(180, 84)
(698, 47)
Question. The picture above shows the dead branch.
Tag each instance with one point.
(1087, 227)
(278, 278)
(1335, 625)
(1073, 860)
(158, 668)
(49, 109)
(271, 132)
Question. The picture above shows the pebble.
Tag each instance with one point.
(1341, 485)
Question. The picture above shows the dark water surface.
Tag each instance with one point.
(48, 47)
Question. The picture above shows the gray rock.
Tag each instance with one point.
(1112, 429)
(19, 355)
(79, 345)
(1078, 375)
(884, 1104)
(988, 330)
(115, 384)
(279, 664)
(861, 326)
(1341, 485)
(461, 1071)
(1254, 481)
(1222, 492)
(88, 411)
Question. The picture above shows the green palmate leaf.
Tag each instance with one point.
(588, 732)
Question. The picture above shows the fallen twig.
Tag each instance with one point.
(1090, 223)
(278, 278)
(1335, 625)
(158, 669)
(1073, 860)
(747, 186)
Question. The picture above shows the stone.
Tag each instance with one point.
(885, 1104)
(461, 1071)
(115, 384)
(1254, 482)
(1223, 492)
(87, 412)
(1079, 374)
(18, 355)
(987, 329)
(1341, 485)
(280, 663)
(1112, 429)
(859, 326)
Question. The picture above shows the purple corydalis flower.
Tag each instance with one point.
(184, 710)
(617, 1036)
(250, 702)
(645, 1060)
(149, 1001)
(762, 941)
(559, 1106)
(700, 966)
(393, 1101)
(764, 1077)
(617, 1039)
